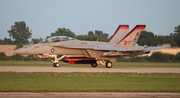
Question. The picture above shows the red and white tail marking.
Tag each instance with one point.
(131, 38)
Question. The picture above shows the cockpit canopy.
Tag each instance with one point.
(59, 38)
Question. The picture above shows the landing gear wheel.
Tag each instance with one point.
(94, 65)
(56, 64)
(108, 64)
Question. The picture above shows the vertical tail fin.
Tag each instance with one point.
(131, 38)
(119, 34)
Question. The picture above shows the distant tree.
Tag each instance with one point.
(158, 56)
(20, 32)
(1, 42)
(98, 35)
(17, 57)
(155, 40)
(8, 41)
(160, 39)
(101, 36)
(146, 38)
(62, 32)
(177, 29)
(170, 40)
(36, 40)
(86, 37)
(2, 56)
(177, 35)
(177, 56)
(90, 33)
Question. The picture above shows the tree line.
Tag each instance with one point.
(20, 34)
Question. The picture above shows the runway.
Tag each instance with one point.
(79, 69)
(88, 95)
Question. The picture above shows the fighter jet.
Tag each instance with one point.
(74, 51)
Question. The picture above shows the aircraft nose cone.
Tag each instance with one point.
(20, 51)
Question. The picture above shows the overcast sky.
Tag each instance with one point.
(80, 16)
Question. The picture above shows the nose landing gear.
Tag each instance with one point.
(56, 60)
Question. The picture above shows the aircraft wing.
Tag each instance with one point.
(105, 48)
(79, 47)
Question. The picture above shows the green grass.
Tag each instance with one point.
(88, 82)
(115, 65)
(147, 64)
(25, 63)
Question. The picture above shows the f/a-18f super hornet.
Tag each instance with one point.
(74, 51)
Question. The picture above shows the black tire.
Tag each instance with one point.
(56, 64)
(94, 65)
(109, 64)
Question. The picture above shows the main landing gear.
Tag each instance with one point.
(94, 65)
(108, 64)
(56, 60)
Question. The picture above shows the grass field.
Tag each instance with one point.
(88, 82)
(115, 65)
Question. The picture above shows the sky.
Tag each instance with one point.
(81, 16)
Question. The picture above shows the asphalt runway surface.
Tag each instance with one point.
(78, 69)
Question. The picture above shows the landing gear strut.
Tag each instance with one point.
(56, 60)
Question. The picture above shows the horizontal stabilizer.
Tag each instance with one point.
(156, 48)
